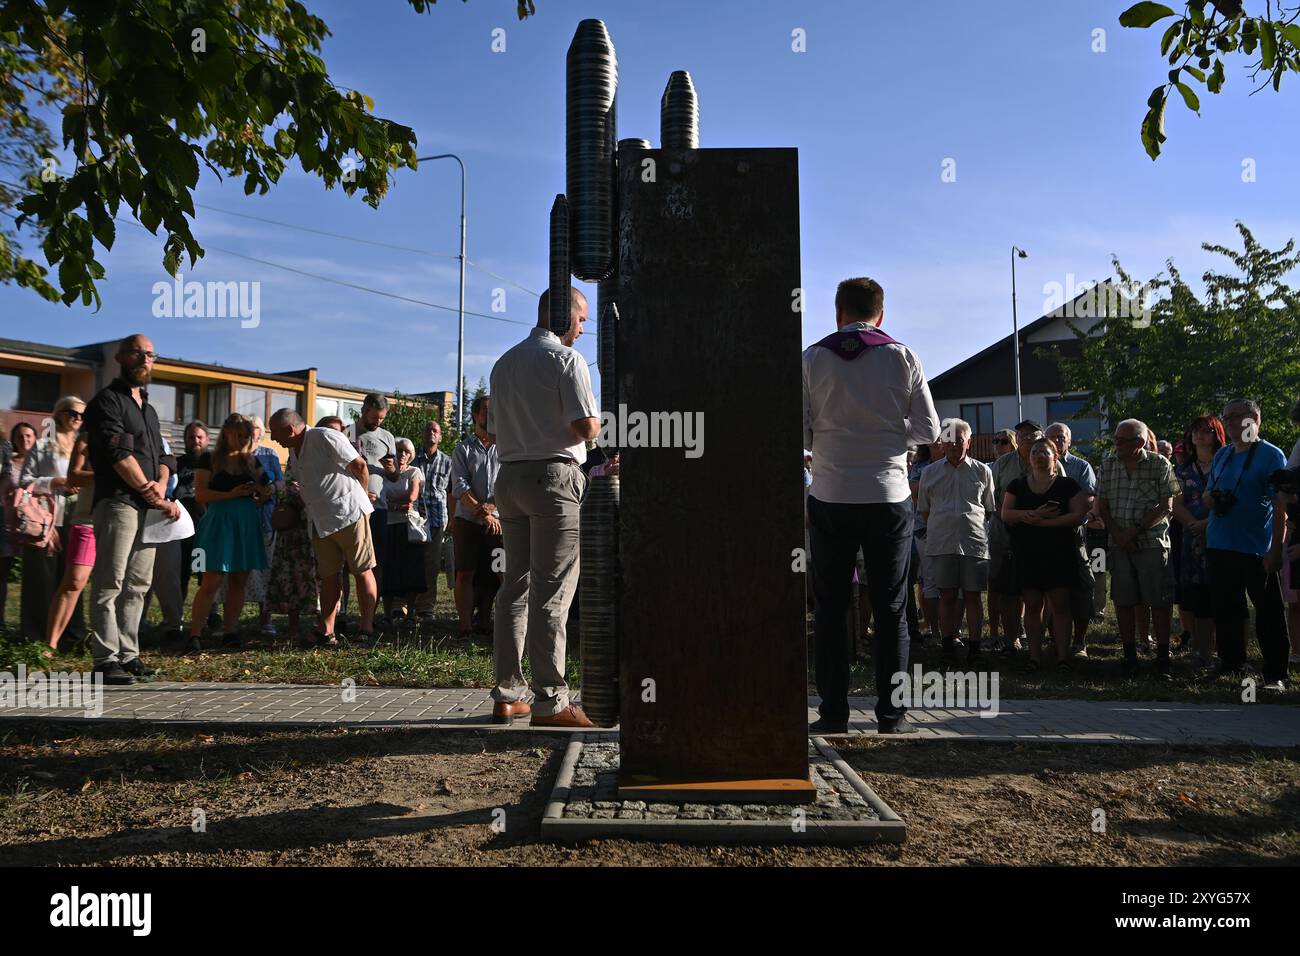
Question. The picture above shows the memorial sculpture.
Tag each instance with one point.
(692, 605)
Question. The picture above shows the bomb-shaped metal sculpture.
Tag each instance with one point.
(591, 136)
(679, 113)
(598, 600)
(560, 288)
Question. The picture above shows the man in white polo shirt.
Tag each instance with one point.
(542, 413)
(332, 478)
(865, 400)
(955, 497)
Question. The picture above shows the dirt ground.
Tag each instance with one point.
(115, 795)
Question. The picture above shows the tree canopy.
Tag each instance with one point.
(1241, 341)
(149, 91)
(1198, 42)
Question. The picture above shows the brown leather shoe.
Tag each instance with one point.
(571, 716)
(504, 712)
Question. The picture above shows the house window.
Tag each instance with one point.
(173, 402)
(250, 401)
(326, 408)
(218, 404)
(29, 391)
(281, 400)
(979, 416)
(1082, 430)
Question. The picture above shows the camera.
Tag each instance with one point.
(1286, 480)
(1223, 502)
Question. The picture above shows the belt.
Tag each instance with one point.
(560, 460)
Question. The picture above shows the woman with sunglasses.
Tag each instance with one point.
(45, 471)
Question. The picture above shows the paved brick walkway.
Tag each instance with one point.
(296, 705)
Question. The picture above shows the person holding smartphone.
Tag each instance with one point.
(232, 485)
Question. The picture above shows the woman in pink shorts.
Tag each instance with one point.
(78, 547)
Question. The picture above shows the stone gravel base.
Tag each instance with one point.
(585, 805)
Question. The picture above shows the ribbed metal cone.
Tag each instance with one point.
(598, 598)
(679, 113)
(591, 136)
(560, 285)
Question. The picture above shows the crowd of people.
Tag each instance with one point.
(1037, 535)
(98, 500)
(82, 494)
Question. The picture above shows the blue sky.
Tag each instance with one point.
(1043, 131)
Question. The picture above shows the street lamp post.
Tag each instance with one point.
(1015, 331)
(460, 337)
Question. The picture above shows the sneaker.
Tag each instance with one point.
(138, 668)
(1081, 654)
(114, 675)
(1277, 687)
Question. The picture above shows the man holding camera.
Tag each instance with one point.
(1244, 545)
(1135, 497)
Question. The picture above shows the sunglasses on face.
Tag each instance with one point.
(140, 354)
(71, 414)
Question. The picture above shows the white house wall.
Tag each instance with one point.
(1004, 408)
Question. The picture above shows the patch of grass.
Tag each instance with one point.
(441, 658)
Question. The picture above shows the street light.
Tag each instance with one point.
(1015, 330)
(460, 337)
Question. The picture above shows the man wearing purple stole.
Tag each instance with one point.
(865, 401)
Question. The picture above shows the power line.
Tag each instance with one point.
(331, 235)
(367, 242)
(349, 285)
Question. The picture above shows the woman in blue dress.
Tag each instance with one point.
(232, 484)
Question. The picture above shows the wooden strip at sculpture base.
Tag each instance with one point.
(788, 790)
(713, 654)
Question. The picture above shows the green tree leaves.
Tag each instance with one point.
(1242, 339)
(148, 90)
(1144, 14)
(1206, 32)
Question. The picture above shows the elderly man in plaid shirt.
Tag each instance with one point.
(1135, 496)
(435, 468)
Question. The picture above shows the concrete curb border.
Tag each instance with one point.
(557, 828)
